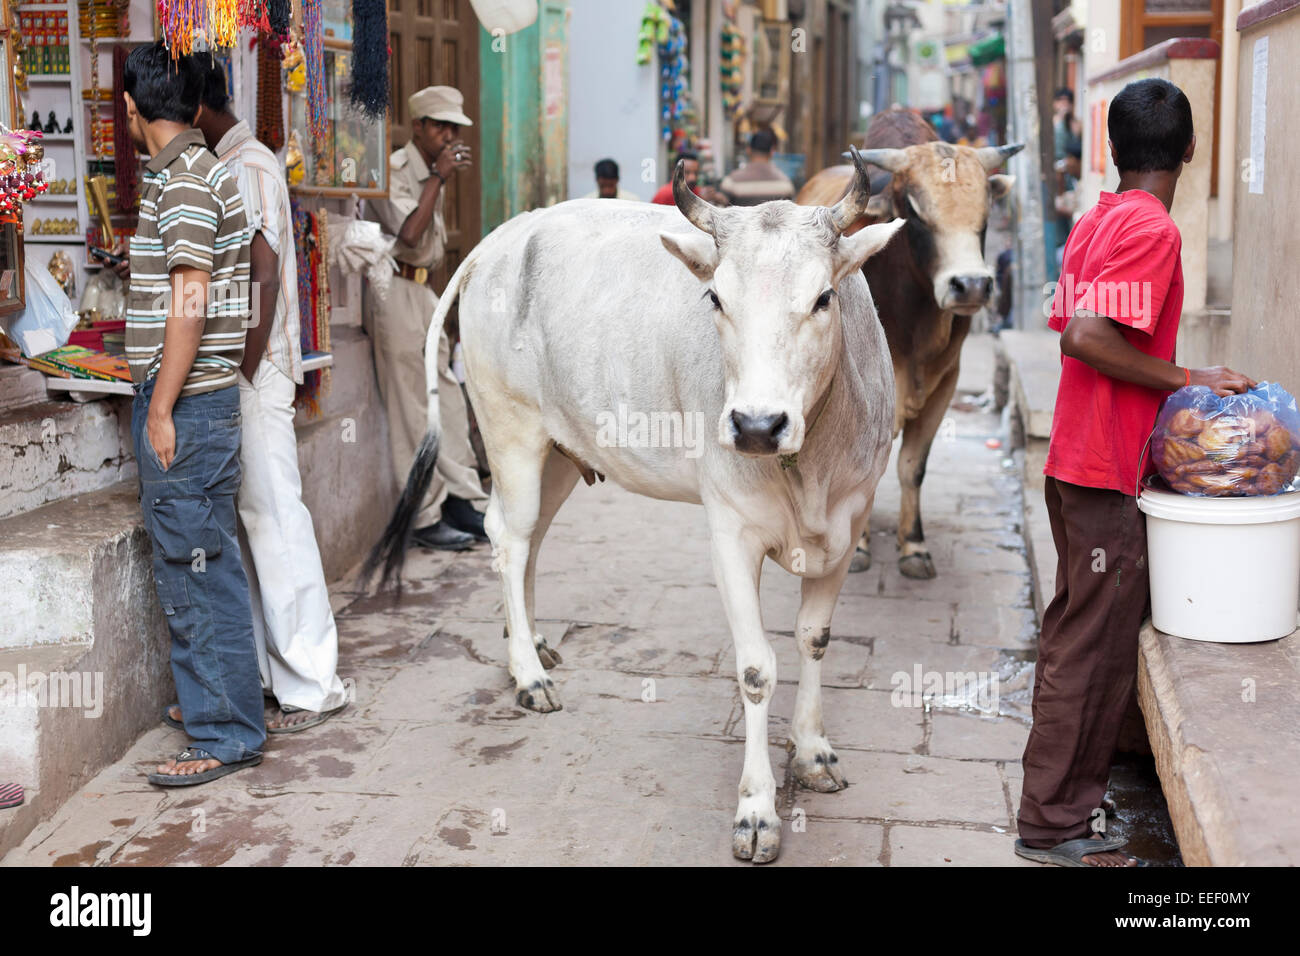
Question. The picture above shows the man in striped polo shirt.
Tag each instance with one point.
(187, 308)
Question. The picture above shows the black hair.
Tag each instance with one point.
(1066, 92)
(1150, 126)
(214, 95)
(762, 141)
(687, 154)
(163, 88)
(607, 169)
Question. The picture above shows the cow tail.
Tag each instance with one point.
(390, 550)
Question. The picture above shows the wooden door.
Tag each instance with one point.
(435, 43)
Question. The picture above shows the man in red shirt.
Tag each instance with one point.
(1117, 307)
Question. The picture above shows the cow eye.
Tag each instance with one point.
(713, 297)
(824, 300)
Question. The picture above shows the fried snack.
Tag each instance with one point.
(1277, 443)
(1252, 449)
(1180, 452)
(1221, 437)
(1186, 424)
(1216, 484)
(1264, 421)
(1270, 480)
(1201, 467)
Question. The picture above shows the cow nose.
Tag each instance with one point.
(758, 434)
(971, 288)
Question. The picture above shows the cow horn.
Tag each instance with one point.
(846, 212)
(890, 159)
(991, 157)
(698, 211)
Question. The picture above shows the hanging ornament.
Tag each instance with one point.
(278, 13)
(21, 176)
(125, 168)
(270, 100)
(313, 50)
(370, 57)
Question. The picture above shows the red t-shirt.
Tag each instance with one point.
(1121, 261)
(664, 196)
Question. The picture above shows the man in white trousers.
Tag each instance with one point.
(297, 643)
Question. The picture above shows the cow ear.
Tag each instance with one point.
(880, 207)
(1000, 185)
(697, 250)
(852, 251)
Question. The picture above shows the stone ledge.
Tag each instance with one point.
(80, 602)
(1034, 359)
(1227, 766)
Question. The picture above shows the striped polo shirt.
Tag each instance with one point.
(190, 215)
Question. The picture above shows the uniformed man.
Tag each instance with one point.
(418, 173)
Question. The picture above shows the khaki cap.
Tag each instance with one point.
(445, 103)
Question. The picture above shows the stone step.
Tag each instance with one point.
(79, 603)
(1035, 365)
(55, 449)
(20, 385)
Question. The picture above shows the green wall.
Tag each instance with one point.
(524, 150)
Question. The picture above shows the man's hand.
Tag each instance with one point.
(123, 268)
(455, 155)
(1223, 380)
(162, 436)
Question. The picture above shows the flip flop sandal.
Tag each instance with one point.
(1071, 852)
(190, 780)
(11, 795)
(171, 721)
(310, 722)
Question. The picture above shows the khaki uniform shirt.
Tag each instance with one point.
(407, 173)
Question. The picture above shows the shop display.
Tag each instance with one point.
(125, 174)
(270, 96)
(732, 56)
(60, 266)
(21, 176)
(311, 246)
(1241, 445)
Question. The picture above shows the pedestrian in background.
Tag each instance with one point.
(757, 181)
(187, 309)
(607, 183)
(398, 325)
(297, 641)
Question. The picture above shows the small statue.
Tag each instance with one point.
(68, 127)
(52, 124)
(36, 120)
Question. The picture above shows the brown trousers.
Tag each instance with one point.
(1087, 659)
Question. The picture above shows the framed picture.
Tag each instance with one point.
(12, 290)
(353, 158)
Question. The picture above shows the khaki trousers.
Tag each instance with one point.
(398, 326)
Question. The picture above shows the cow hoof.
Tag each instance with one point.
(821, 772)
(918, 566)
(756, 838)
(540, 696)
(547, 654)
(861, 561)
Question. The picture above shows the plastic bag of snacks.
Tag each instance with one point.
(1247, 444)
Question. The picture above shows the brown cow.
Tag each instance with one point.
(927, 283)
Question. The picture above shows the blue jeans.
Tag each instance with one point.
(189, 512)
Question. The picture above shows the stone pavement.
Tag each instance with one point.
(434, 763)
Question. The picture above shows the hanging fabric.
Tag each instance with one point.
(370, 57)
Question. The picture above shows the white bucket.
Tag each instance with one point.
(1223, 569)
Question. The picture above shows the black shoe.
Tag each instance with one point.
(462, 516)
(441, 537)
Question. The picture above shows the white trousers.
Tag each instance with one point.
(297, 643)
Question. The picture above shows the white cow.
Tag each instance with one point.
(573, 313)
